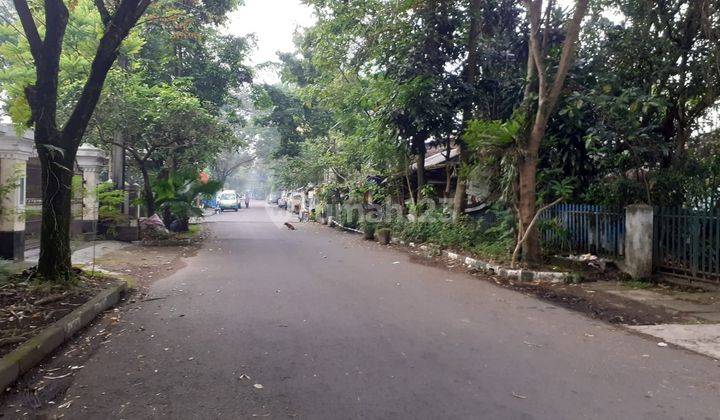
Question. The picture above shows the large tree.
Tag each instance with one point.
(546, 77)
(492, 78)
(184, 40)
(641, 85)
(56, 143)
(398, 62)
(162, 124)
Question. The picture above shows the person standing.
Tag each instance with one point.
(247, 200)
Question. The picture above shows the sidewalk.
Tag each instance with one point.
(686, 318)
(704, 307)
(84, 252)
(701, 335)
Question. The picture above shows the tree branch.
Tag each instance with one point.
(546, 30)
(104, 14)
(125, 17)
(568, 51)
(530, 226)
(30, 29)
(239, 164)
(56, 20)
(534, 14)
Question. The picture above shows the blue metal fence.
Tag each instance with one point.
(583, 228)
(687, 243)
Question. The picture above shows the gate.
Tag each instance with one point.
(687, 243)
(584, 228)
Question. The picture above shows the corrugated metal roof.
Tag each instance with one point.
(438, 159)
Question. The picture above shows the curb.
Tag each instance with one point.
(33, 351)
(332, 222)
(521, 274)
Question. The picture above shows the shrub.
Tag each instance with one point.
(176, 196)
(109, 202)
(350, 218)
(489, 240)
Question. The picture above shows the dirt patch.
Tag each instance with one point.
(146, 265)
(44, 387)
(582, 298)
(598, 304)
(27, 307)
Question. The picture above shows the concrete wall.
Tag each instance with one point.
(639, 241)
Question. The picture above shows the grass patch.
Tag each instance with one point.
(193, 232)
(638, 284)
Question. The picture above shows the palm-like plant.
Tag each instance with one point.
(176, 194)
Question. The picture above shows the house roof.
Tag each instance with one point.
(438, 159)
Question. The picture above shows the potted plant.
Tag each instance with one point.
(383, 235)
(321, 215)
(368, 231)
(110, 218)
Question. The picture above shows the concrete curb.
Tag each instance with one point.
(332, 222)
(33, 351)
(521, 274)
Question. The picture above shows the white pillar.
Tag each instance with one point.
(91, 162)
(15, 150)
(639, 240)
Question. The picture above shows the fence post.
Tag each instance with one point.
(639, 240)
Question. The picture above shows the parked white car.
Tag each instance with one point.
(228, 200)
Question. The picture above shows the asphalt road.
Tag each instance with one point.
(317, 324)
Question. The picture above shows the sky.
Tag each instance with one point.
(273, 22)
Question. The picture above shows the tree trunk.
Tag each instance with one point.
(448, 182)
(147, 190)
(527, 168)
(56, 149)
(460, 199)
(548, 95)
(57, 172)
(420, 163)
(681, 141)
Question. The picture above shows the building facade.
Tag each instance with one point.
(21, 191)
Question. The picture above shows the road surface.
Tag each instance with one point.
(266, 322)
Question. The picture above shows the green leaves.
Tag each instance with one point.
(109, 200)
(491, 134)
(177, 193)
(79, 45)
(162, 121)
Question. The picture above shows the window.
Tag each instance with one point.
(21, 191)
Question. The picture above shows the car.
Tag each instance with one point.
(273, 199)
(228, 200)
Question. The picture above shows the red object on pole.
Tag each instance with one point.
(204, 178)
